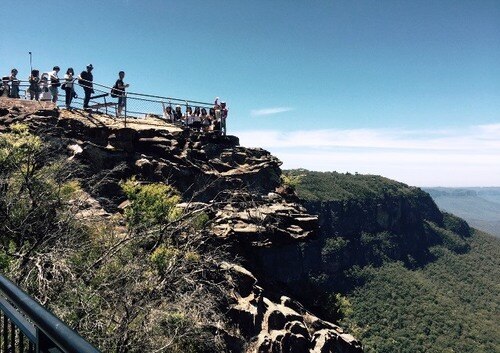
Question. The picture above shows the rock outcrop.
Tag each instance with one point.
(242, 188)
(282, 325)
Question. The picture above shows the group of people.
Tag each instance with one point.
(10, 85)
(46, 86)
(199, 119)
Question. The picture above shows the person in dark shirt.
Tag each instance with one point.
(5, 88)
(85, 80)
(120, 87)
(14, 90)
(34, 88)
(223, 117)
(177, 114)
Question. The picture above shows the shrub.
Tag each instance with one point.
(164, 257)
(151, 204)
(292, 180)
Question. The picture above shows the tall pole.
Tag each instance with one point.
(31, 63)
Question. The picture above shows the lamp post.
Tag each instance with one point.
(31, 63)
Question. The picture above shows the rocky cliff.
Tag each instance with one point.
(250, 210)
(363, 221)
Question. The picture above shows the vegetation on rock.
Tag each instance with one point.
(153, 285)
(429, 286)
(145, 236)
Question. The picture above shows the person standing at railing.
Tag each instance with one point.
(205, 120)
(223, 117)
(54, 83)
(168, 114)
(14, 84)
(85, 80)
(120, 87)
(196, 119)
(34, 88)
(217, 113)
(44, 87)
(178, 114)
(189, 117)
(68, 86)
(5, 89)
(213, 120)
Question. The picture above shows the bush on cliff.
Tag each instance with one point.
(154, 285)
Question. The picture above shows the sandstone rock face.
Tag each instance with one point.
(283, 325)
(394, 214)
(264, 221)
(240, 187)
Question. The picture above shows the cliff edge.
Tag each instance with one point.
(240, 191)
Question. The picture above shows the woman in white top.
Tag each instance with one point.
(168, 114)
(44, 88)
(54, 83)
(205, 120)
(217, 111)
(68, 86)
(188, 118)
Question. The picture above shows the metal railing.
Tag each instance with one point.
(137, 105)
(25, 326)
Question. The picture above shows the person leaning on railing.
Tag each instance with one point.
(196, 125)
(120, 88)
(34, 87)
(178, 114)
(69, 87)
(206, 122)
(168, 114)
(44, 88)
(54, 83)
(85, 80)
(5, 89)
(14, 89)
(188, 117)
(223, 117)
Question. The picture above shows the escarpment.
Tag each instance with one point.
(241, 190)
(363, 221)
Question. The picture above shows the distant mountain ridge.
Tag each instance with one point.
(479, 206)
(402, 275)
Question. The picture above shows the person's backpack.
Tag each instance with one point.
(115, 92)
(82, 78)
(54, 82)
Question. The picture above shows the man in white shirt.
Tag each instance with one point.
(54, 83)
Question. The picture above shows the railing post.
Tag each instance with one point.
(45, 344)
(125, 108)
(46, 332)
(5, 333)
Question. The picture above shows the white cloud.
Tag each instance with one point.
(478, 137)
(448, 157)
(270, 111)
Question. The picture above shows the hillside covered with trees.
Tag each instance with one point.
(438, 295)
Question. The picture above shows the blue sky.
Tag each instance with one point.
(405, 89)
